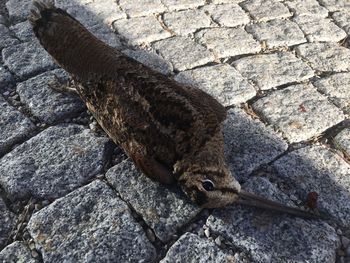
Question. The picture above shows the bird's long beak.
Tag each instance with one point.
(250, 199)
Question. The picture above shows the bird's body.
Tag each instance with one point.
(171, 131)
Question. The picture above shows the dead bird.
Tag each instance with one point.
(172, 132)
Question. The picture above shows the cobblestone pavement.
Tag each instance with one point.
(68, 194)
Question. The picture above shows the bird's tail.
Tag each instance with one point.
(71, 45)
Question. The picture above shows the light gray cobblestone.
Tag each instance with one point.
(342, 140)
(140, 30)
(336, 5)
(107, 10)
(337, 88)
(7, 222)
(90, 224)
(318, 29)
(271, 70)
(248, 144)
(23, 31)
(6, 38)
(264, 10)
(221, 81)
(182, 4)
(277, 32)
(164, 210)
(325, 57)
(18, 9)
(299, 111)
(316, 168)
(307, 8)
(53, 163)
(183, 53)
(187, 21)
(228, 15)
(228, 42)
(44, 102)
(14, 127)
(342, 19)
(5, 77)
(142, 7)
(17, 252)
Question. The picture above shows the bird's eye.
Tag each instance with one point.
(208, 185)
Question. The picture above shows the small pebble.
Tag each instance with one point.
(34, 254)
(37, 207)
(207, 232)
(150, 235)
(6, 93)
(45, 202)
(201, 232)
(345, 241)
(339, 232)
(218, 241)
(31, 245)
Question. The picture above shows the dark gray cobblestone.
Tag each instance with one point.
(17, 252)
(7, 222)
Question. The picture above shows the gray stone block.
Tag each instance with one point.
(227, 15)
(44, 102)
(337, 88)
(183, 53)
(142, 7)
(5, 37)
(53, 163)
(90, 224)
(264, 10)
(306, 8)
(163, 209)
(7, 222)
(14, 127)
(107, 10)
(140, 30)
(191, 248)
(182, 4)
(228, 42)
(342, 19)
(151, 59)
(68, 3)
(299, 111)
(5, 77)
(23, 31)
(17, 252)
(342, 140)
(315, 168)
(336, 5)
(27, 59)
(271, 70)
(221, 81)
(187, 21)
(249, 144)
(325, 57)
(318, 29)
(18, 9)
(277, 33)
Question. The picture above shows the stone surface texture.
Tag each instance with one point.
(306, 114)
(280, 67)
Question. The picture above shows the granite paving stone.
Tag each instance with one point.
(27, 59)
(342, 19)
(23, 31)
(342, 140)
(69, 3)
(44, 102)
(90, 224)
(187, 21)
(317, 169)
(7, 222)
(163, 209)
(249, 144)
(17, 252)
(140, 30)
(5, 77)
(151, 59)
(325, 57)
(107, 10)
(336, 5)
(221, 81)
(142, 7)
(264, 10)
(277, 32)
(182, 4)
(53, 163)
(306, 8)
(268, 237)
(183, 53)
(191, 248)
(228, 42)
(227, 15)
(6, 38)
(318, 29)
(299, 111)
(14, 127)
(271, 70)
(18, 9)
(337, 88)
